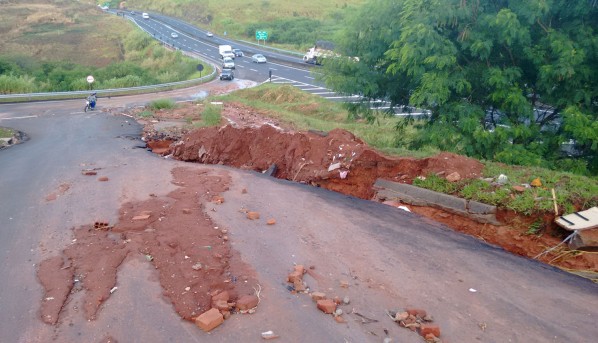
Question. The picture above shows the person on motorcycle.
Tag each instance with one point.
(92, 100)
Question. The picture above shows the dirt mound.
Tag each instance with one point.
(336, 160)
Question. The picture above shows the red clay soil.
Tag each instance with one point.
(318, 159)
(321, 159)
(190, 254)
(255, 141)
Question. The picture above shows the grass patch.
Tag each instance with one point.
(210, 116)
(160, 104)
(6, 133)
(146, 114)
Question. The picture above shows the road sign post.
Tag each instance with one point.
(261, 35)
(90, 80)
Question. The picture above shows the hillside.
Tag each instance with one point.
(61, 31)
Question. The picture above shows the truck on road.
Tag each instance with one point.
(317, 53)
(226, 51)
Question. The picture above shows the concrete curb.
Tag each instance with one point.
(413, 195)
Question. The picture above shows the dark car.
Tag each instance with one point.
(227, 74)
(238, 53)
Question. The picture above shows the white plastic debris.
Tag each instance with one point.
(473, 290)
(343, 173)
(334, 166)
(269, 335)
(502, 179)
(113, 289)
(404, 208)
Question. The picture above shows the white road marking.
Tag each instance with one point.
(320, 93)
(23, 117)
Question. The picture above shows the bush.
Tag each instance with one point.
(10, 84)
(162, 104)
(211, 115)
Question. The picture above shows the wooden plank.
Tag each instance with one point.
(582, 220)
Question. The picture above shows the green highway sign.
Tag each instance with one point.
(261, 35)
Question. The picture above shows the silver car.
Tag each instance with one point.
(258, 58)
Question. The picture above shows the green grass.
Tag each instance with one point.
(211, 115)
(160, 104)
(6, 133)
(146, 114)
(304, 111)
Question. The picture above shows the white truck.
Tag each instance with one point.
(226, 51)
(318, 52)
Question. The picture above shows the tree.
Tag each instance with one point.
(504, 80)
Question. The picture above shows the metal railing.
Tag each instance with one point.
(24, 97)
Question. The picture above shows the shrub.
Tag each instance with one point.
(162, 104)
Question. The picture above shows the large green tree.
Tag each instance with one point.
(504, 80)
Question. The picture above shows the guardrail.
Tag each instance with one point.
(24, 97)
(4, 98)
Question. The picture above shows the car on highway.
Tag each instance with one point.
(238, 53)
(145, 15)
(209, 34)
(258, 58)
(228, 63)
(174, 35)
(227, 74)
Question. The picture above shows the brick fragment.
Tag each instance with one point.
(417, 312)
(326, 305)
(253, 215)
(318, 296)
(271, 221)
(221, 305)
(295, 276)
(224, 295)
(340, 319)
(519, 189)
(247, 302)
(426, 329)
(218, 199)
(299, 286)
(209, 320)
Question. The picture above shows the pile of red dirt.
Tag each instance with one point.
(193, 258)
(336, 160)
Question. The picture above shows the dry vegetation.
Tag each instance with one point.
(61, 31)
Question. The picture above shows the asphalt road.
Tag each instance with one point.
(392, 258)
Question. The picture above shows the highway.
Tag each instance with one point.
(286, 69)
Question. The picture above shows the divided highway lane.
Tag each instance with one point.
(285, 69)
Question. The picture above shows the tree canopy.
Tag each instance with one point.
(512, 81)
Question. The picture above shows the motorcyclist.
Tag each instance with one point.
(92, 100)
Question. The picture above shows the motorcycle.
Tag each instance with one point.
(89, 105)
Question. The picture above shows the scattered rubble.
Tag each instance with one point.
(416, 319)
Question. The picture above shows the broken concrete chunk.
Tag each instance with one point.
(141, 217)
